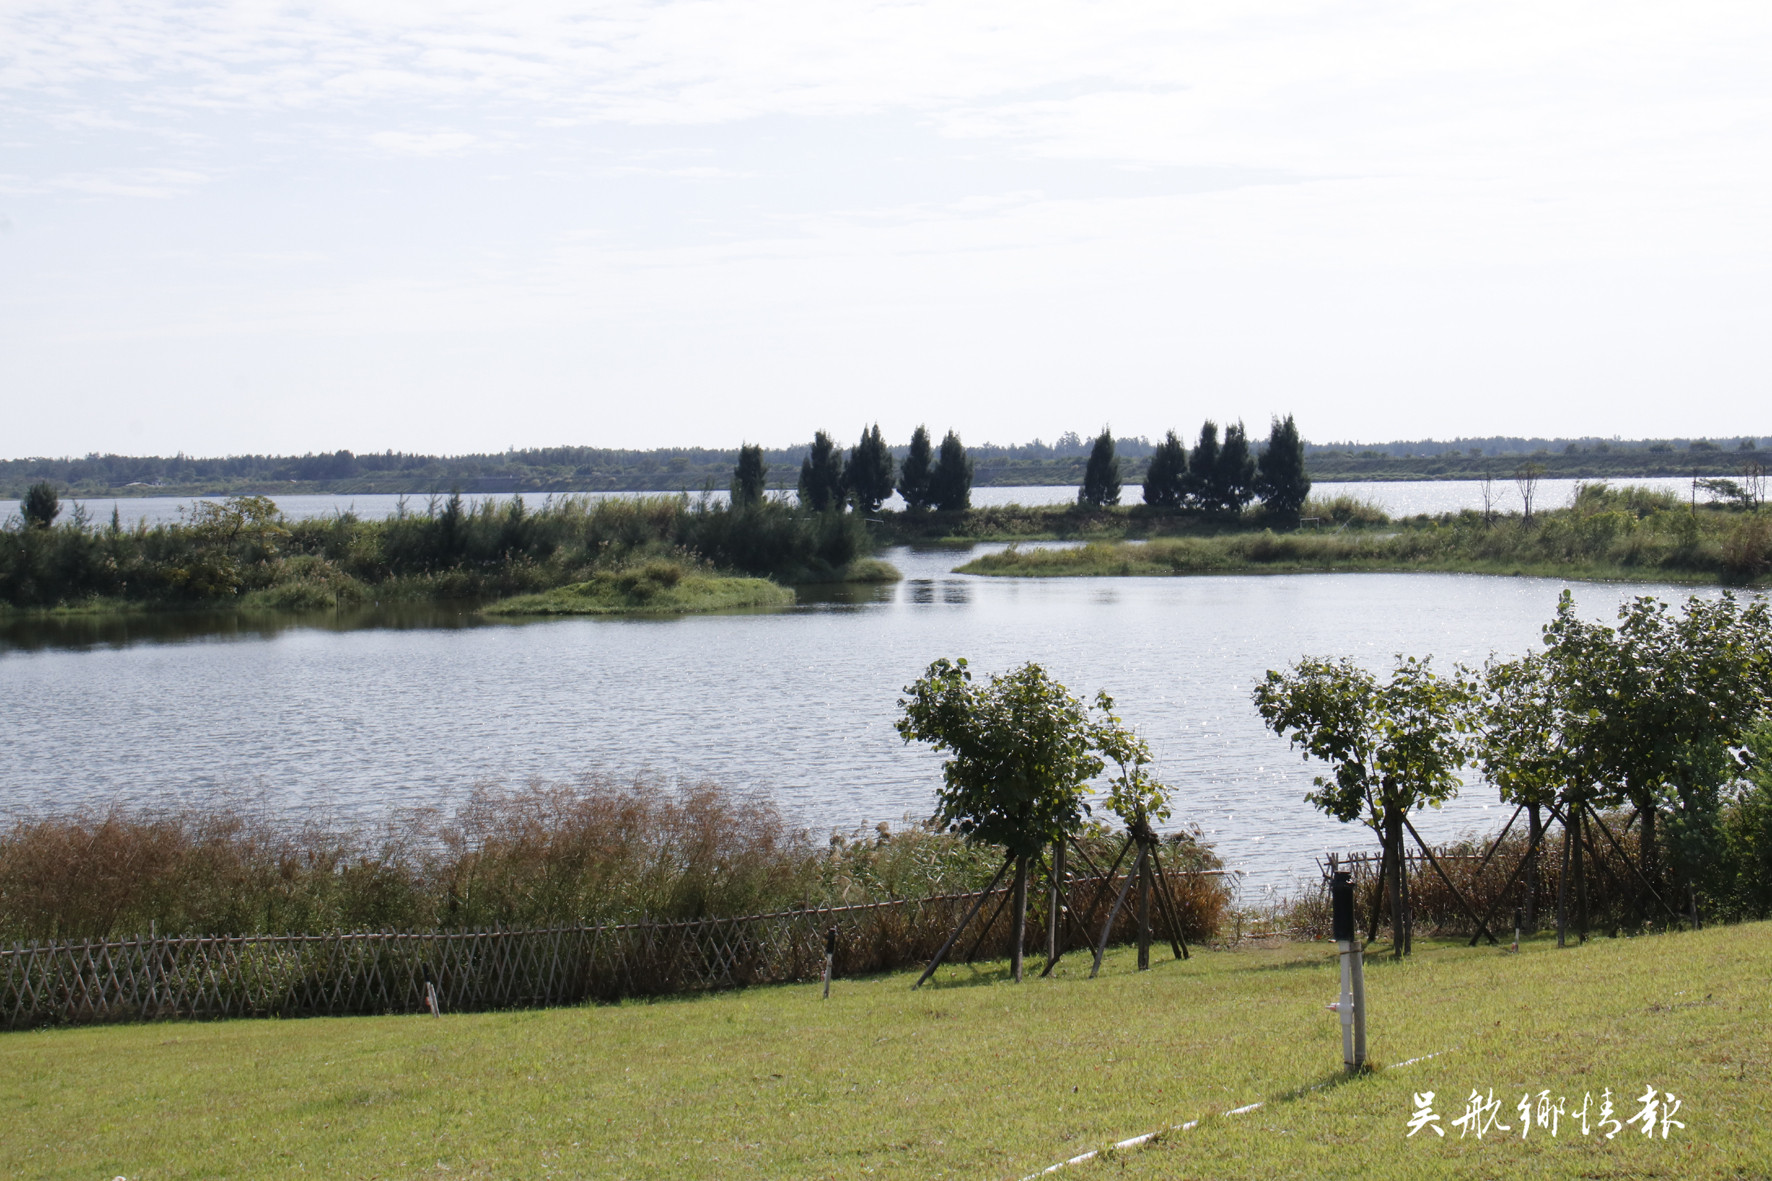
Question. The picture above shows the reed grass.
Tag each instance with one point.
(596, 849)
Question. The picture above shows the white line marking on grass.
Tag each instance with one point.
(1137, 1141)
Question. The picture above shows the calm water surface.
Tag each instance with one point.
(349, 717)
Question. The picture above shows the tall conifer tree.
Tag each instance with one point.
(950, 485)
(1101, 476)
(821, 475)
(1282, 483)
(1165, 480)
(1234, 475)
(868, 476)
(748, 477)
(1202, 467)
(913, 476)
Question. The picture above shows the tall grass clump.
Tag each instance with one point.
(595, 849)
(604, 849)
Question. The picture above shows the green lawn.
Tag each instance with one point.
(971, 1077)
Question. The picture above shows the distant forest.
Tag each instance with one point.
(670, 469)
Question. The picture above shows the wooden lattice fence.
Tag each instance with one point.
(152, 978)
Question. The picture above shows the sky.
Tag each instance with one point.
(450, 226)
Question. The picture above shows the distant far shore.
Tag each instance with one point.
(692, 469)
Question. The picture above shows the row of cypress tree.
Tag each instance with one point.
(1217, 476)
(929, 479)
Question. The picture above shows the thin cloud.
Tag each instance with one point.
(423, 143)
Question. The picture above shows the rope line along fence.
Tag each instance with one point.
(219, 976)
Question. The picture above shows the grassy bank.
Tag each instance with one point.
(971, 1077)
(656, 588)
(243, 554)
(1606, 535)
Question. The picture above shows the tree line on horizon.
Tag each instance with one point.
(1216, 476)
(589, 469)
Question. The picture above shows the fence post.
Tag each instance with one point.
(830, 959)
(1352, 1006)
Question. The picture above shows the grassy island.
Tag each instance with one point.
(570, 555)
(1614, 534)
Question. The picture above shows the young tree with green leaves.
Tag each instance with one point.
(821, 475)
(868, 475)
(1101, 475)
(1165, 480)
(1202, 468)
(1519, 747)
(1658, 710)
(1019, 760)
(748, 478)
(914, 474)
(1393, 746)
(40, 505)
(950, 485)
(1280, 479)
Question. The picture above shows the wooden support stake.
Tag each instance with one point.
(977, 904)
(1496, 844)
(1102, 886)
(1384, 862)
(1625, 857)
(1119, 900)
(972, 953)
(1177, 941)
(1482, 927)
(1495, 905)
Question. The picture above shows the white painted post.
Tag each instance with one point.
(1352, 1006)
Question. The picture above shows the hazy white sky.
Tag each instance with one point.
(460, 226)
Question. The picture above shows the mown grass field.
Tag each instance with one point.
(971, 1077)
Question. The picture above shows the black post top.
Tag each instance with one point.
(1341, 905)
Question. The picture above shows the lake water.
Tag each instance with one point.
(348, 717)
(1398, 498)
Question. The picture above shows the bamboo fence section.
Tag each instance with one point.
(218, 976)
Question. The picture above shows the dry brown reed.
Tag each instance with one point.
(593, 850)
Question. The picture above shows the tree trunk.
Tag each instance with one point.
(1580, 872)
(1647, 855)
(1020, 904)
(1384, 869)
(1055, 902)
(1144, 915)
(1408, 894)
(1563, 886)
(1393, 837)
(1535, 827)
